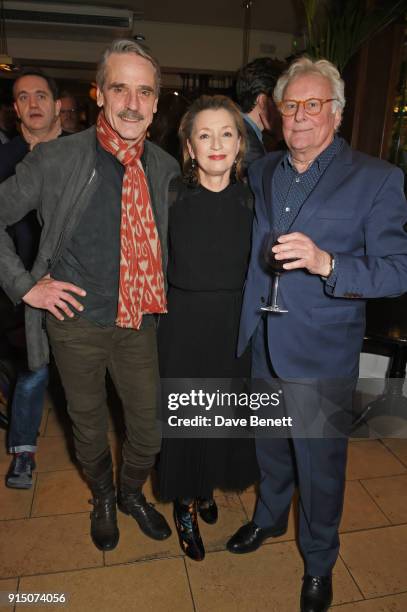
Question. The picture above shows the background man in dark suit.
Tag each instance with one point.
(37, 105)
(340, 215)
(254, 89)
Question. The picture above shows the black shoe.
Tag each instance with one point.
(316, 593)
(249, 537)
(188, 530)
(150, 521)
(208, 510)
(20, 473)
(103, 527)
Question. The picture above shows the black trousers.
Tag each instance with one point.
(83, 352)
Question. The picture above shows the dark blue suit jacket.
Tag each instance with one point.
(357, 210)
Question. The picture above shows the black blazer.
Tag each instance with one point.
(254, 146)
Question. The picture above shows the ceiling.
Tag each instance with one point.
(274, 15)
(35, 44)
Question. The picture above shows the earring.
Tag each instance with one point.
(191, 175)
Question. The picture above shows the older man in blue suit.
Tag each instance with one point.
(340, 215)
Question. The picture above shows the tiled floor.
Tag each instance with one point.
(45, 546)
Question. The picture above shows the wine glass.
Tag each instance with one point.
(275, 267)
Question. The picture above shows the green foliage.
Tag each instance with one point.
(336, 29)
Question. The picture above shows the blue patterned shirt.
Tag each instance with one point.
(292, 189)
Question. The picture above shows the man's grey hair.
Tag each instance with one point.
(124, 46)
(305, 65)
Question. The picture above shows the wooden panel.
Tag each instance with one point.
(371, 81)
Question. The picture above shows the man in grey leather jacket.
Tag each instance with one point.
(97, 283)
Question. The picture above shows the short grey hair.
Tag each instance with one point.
(123, 46)
(305, 65)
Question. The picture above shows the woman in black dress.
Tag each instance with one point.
(209, 243)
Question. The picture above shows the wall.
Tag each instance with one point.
(208, 47)
(177, 46)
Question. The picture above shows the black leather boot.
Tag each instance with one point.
(187, 526)
(150, 521)
(132, 501)
(103, 527)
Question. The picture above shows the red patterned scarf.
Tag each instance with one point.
(141, 289)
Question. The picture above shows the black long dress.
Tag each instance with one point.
(209, 246)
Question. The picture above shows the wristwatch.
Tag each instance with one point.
(331, 267)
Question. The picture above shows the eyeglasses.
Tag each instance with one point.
(312, 106)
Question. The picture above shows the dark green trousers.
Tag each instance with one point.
(83, 352)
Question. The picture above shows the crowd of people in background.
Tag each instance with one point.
(116, 259)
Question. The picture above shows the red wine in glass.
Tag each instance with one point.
(275, 267)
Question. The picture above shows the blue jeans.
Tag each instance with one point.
(26, 410)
